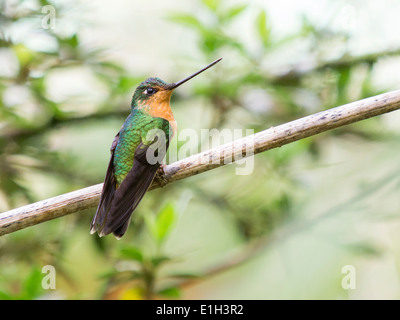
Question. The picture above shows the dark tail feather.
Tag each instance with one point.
(107, 194)
(127, 197)
(118, 233)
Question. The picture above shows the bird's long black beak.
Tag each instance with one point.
(177, 84)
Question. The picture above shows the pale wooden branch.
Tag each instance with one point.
(274, 137)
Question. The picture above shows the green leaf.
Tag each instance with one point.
(364, 248)
(188, 20)
(233, 12)
(32, 286)
(160, 226)
(73, 41)
(164, 222)
(24, 55)
(262, 27)
(157, 261)
(150, 224)
(172, 292)
(211, 4)
(5, 296)
(131, 253)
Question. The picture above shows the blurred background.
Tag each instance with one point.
(286, 231)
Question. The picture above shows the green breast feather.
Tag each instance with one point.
(138, 127)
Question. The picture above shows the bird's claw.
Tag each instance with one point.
(160, 176)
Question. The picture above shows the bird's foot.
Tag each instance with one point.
(160, 176)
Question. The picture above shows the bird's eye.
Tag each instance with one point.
(149, 91)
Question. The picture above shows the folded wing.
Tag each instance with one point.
(118, 202)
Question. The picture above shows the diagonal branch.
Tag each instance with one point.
(274, 137)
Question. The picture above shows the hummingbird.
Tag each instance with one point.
(136, 154)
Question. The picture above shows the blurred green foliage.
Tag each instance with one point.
(52, 143)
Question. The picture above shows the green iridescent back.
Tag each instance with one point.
(135, 131)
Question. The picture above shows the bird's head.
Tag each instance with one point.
(151, 91)
(154, 91)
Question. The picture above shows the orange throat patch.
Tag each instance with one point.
(158, 106)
